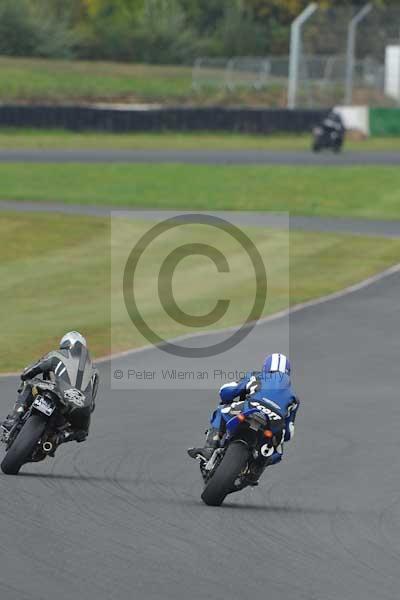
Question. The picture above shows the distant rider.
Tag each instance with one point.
(272, 383)
(333, 123)
(72, 364)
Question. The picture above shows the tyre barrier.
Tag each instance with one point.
(112, 119)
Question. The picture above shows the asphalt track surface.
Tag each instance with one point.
(120, 517)
(207, 157)
(240, 218)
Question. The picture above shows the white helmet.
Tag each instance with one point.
(70, 339)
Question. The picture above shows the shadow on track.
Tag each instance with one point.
(300, 510)
(71, 477)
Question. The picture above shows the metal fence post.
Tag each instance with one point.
(351, 46)
(229, 84)
(398, 77)
(295, 48)
(195, 71)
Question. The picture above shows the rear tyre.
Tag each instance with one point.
(24, 445)
(222, 482)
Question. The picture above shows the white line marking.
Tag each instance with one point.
(275, 317)
(279, 315)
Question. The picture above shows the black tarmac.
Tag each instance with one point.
(121, 517)
(207, 157)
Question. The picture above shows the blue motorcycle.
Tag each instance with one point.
(253, 430)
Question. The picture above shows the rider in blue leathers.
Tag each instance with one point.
(273, 386)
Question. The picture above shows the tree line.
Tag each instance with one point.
(151, 31)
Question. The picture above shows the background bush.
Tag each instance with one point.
(154, 31)
(28, 29)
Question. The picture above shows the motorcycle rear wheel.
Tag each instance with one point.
(222, 482)
(24, 445)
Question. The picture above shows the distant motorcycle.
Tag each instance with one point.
(44, 426)
(253, 430)
(327, 139)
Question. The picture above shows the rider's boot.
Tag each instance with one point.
(212, 443)
(72, 436)
(258, 468)
(78, 430)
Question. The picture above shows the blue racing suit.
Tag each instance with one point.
(273, 389)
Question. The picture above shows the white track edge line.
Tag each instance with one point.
(275, 317)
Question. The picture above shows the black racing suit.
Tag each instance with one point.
(333, 123)
(75, 368)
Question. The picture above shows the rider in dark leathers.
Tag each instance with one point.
(72, 364)
(333, 123)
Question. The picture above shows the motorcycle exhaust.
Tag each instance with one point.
(47, 447)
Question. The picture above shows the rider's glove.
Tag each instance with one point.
(252, 386)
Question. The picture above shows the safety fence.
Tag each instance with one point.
(237, 73)
(347, 55)
(321, 78)
(365, 41)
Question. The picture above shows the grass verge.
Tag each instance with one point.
(38, 80)
(43, 80)
(54, 276)
(61, 139)
(303, 190)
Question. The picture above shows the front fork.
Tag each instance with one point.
(4, 435)
(207, 468)
(8, 437)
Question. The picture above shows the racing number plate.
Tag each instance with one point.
(43, 406)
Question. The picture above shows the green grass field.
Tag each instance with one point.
(62, 139)
(34, 80)
(54, 274)
(61, 81)
(372, 192)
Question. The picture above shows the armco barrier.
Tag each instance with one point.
(78, 118)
